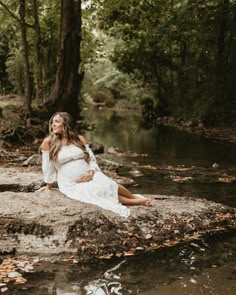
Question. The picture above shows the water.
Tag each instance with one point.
(126, 131)
(201, 267)
(196, 268)
(166, 148)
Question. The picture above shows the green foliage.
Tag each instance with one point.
(183, 49)
(15, 70)
(11, 76)
(103, 82)
(181, 54)
(50, 27)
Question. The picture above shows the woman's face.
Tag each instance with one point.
(57, 124)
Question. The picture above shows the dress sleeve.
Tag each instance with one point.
(49, 169)
(92, 163)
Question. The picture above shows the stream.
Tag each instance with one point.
(155, 157)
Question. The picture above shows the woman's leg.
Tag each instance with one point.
(127, 198)
(124, 192)
(134, 202)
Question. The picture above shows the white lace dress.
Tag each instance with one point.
(69, 166)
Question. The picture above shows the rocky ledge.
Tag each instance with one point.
(48, 224)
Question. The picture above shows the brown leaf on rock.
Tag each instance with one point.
(9, 267)
(130, 252)
(20, 280)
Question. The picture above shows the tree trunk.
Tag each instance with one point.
(221, 61)
(38, 45)
(27, 83)
(65, 94)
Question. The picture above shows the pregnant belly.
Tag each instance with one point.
(70, 171)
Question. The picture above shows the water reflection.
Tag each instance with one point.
(201, 267)
(124, 129)
(165, 147)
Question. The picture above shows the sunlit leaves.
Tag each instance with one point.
(11, 270)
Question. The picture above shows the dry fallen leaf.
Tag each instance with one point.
(130, 252)
(4, 289)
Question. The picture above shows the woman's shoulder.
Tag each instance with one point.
(45, 144)
(82, 139)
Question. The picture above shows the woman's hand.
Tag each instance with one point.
(45, 188)
(86, 177)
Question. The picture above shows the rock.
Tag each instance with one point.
(33, 160)
(126, 181)
(97, 148)
(200, 125)
(215, 165)
(108, 165)
(113, 150)
(171, 120)
(136, 173)
(34, 226)
(49, 224)
(189, 123)
(17, 180)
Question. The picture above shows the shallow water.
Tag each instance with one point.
(201, 267)
(165, 147)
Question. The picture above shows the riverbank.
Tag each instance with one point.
(221, 134)
(13, 129)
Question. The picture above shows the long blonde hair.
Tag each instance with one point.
(68, 132)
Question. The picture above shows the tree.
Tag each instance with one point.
(38, 45)
(184, 49)
(27, 85)
(65, 93)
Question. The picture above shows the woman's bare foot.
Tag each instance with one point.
(146, 202)
(135, 201)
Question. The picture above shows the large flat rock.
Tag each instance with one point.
(50, 224)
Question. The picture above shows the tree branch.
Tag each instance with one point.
(13, 15)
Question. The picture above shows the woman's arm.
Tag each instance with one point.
(92, 159)
(93, 166)
(48, 166)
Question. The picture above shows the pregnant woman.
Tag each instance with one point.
(67, 159)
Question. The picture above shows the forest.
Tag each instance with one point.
(138, 196)
(177, 57)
